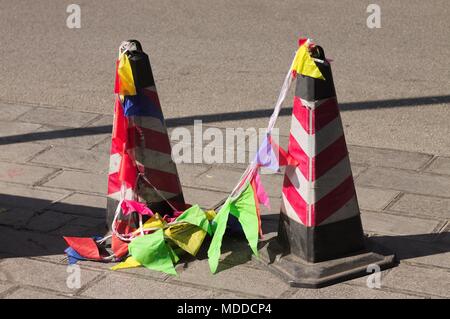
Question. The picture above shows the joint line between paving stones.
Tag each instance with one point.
(32, 157)
(48, 177)
(394, 200)
(9, 291)
(427, 164)
(90, 284)
(428, 218)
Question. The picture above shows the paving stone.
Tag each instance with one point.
(384, 223)
(48, 221)
(82, 204)
(14, 132)
(26, 197)
(41, 274)
(357, 170)
(74, 158)
(440, 165)
(238, 278)
(20, 152)
(26, 174)
(120, 286)
(189, 173)
(10, 112)
(345, 291)
(57, 117)
(419, 279)
(387, 158)
(5, 286)
(420, 205)
(17, 218)
(21, 243)
(374, 198)
(29, 293)
(103, 147)
(422, 248)
(220, 179)
(205, 198)
(103, 120)
(72, 230)
(70, 137)
(81, 181)
(406, 181)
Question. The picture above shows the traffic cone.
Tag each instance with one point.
(320, 236)
(147, 144)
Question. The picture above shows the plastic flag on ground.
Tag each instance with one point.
(244, 208)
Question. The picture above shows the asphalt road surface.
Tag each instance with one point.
(213, 57)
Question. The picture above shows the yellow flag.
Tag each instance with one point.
(304, 64)
(125, 73)
(130, 262)
(187, 236)
(154, 222)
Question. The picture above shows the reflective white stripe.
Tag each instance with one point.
(287, 209)
(315, 104)
(149, 122)
(323, 185)
(320, 140)
(350, 209)
(114, 163)
(155, 160)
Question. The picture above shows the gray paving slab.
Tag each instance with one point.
(238, 278)
(407, 181)
(20, 152)
(421, 205)
(27, 197)
(205, 198)
(119, 286)
(16, 217)
(374, 198)
(41, 274)
(82, 204)
(189, 174)
(421, 248)
(59, 156)
(12, 111)
(385, 223)
(18, 130)
(32, 293)
(80, 181)
(346, 291)
(48, 221)
(5, 286)
(84, 138)
(419, 279)
(387, 157)
(23, 174)
(58, 117)
(440, 165)
(20, 243)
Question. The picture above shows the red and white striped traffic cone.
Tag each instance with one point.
(147, 144)
(320, 224)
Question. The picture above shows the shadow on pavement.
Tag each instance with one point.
(223, 117)
(34, 227)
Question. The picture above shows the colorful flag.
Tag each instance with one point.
(130, 206)
(219, 225)
(124, 77)
(304, 64)
(153, 253)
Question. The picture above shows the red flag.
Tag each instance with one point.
(85, 247)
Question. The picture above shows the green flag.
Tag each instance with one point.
(244, 209)
(195, 216)
(220, 224)
(153, 252)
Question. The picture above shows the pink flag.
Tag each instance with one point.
(260, 191)
(129, 206)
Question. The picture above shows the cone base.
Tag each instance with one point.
(302, 274)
